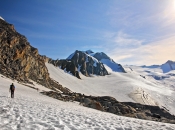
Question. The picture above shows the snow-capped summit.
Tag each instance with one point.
(1, 18)
(102, 57)
(164, 68)
(168, 66)
(87, 64)
(89, 51)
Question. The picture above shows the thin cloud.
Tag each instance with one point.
(123, 56)
(143, 14)
(124, 40)
(147, 35)
(168, 16)
(157, 52)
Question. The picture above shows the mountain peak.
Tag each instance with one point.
(87, 64)
(89, 51)
(169, 62)
(168, 66)
(99, 57)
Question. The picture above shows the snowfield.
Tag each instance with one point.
(110, 63)
(125, 87)
(30, 110)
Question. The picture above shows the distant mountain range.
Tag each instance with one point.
(166, 67)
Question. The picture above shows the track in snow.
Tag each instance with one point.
(30, 110)
(29, 113)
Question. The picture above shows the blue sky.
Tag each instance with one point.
(136, 32)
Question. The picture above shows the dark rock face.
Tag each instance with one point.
(87, 64)
(19, 60)
(100, 56)
(89, 52)
(67, 65)
(82, 62)
(110, 104)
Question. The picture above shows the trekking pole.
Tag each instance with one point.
(8, 94)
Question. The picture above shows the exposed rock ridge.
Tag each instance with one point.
(87, 64)
(66, 65)
(20, 61)
(100, 56)
(80, 62)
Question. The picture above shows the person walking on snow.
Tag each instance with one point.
(12, 89)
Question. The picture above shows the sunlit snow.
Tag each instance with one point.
(122, 86)
(30, 110)
(1, 18)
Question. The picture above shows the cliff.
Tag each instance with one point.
(20, 61)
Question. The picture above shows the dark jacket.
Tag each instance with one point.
(12, 87)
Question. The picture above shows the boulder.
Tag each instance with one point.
(66, 65)
(141, 116)
(117, 110)
(96, 105)
(87, 101)
(156, 115)
(124, 109)
(112, 109)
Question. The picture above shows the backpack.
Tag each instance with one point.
(12, 87)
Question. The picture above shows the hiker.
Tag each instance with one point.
(37, 89)
(12, 89)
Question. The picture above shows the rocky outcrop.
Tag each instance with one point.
(66, 65)
(80, 62)
(110, 104)
(20, 61)
(100, 56)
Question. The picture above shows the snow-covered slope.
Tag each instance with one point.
(30, 110)
(156, 73)
(126, 87)
(114, 66)
(168, 66)
(102, 57)
(1, 18)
